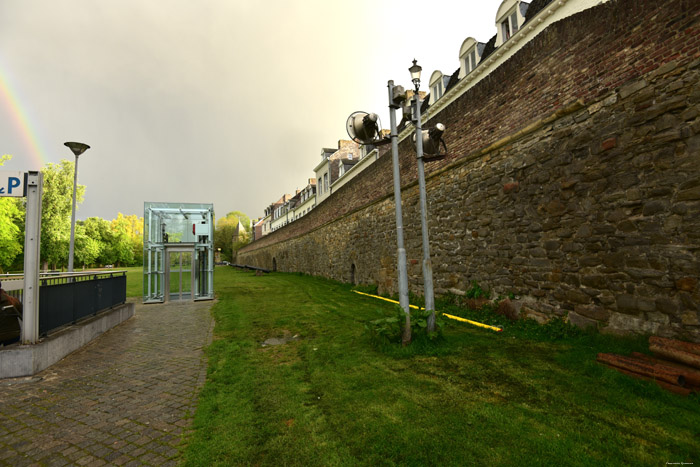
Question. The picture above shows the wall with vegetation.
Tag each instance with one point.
(573, 182)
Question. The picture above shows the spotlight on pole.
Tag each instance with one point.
(364, 128)
(432, 140)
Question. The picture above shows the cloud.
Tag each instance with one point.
(227, 102)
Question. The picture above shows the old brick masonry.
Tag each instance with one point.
(573, 181)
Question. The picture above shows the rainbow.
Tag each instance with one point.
(10, 101)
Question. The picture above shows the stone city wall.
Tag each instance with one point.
(572, 181)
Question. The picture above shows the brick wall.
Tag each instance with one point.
(573, 181)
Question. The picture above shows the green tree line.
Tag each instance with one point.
(98, 242)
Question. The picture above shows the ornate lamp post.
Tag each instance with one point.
(415, 71)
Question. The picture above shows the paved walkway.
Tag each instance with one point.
(127, 398)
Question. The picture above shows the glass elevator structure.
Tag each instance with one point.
(178, 252)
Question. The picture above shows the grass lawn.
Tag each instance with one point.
(333, 398)
(134, 281)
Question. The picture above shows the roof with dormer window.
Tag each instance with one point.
(535, 7)
(489, 47)
(454, 79)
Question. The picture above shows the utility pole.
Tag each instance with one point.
(396, 95)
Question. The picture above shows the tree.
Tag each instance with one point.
(121, 240)
(56, 205)
(223, 237)
(132, 226)
(239, 216)
(100, 231)
(226, 231)
(10, 234)
(87, 249)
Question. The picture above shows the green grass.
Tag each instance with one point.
(477, 397)
(134, 281)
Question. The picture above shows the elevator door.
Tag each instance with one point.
(178, 274)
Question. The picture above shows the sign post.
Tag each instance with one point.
(32, 248)
(17, 185)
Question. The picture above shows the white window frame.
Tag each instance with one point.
(470, 60)
(437, 89)
(510, 21)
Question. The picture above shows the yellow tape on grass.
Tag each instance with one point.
(457, 318)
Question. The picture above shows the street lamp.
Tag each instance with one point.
(415, 74)
(78, 149)
(363, 129)
(427, 265)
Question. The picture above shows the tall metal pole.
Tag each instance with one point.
(72, 218)
(427, 265)
(32, 248)
(401, 251)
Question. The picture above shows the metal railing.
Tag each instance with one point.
(67, 298)
(13, 284)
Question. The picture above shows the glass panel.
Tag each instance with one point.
(506, 30)
(186, 277)
(153, 275)
(174, 272)
(159, 274)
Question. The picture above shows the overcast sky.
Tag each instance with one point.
(210, 101)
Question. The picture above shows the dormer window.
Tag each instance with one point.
(470, 61)
(438, 82)
(469, 56)
(509, 26)
(437, 90)
(509, 19)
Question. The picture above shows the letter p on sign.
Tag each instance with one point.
(12, 184)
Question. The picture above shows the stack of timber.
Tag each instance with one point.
(675, 365)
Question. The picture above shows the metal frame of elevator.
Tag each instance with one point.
(178, 230)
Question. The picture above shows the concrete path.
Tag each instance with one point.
(127, 398)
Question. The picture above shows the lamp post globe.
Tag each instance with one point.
(415, 74)
(77, 149)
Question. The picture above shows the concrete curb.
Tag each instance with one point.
(27, 360)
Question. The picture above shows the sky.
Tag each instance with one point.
(210, 101)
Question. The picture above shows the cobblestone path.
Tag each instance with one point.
(125, 399)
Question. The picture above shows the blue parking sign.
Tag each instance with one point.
(12, 184)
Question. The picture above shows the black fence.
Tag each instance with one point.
(68, 299)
